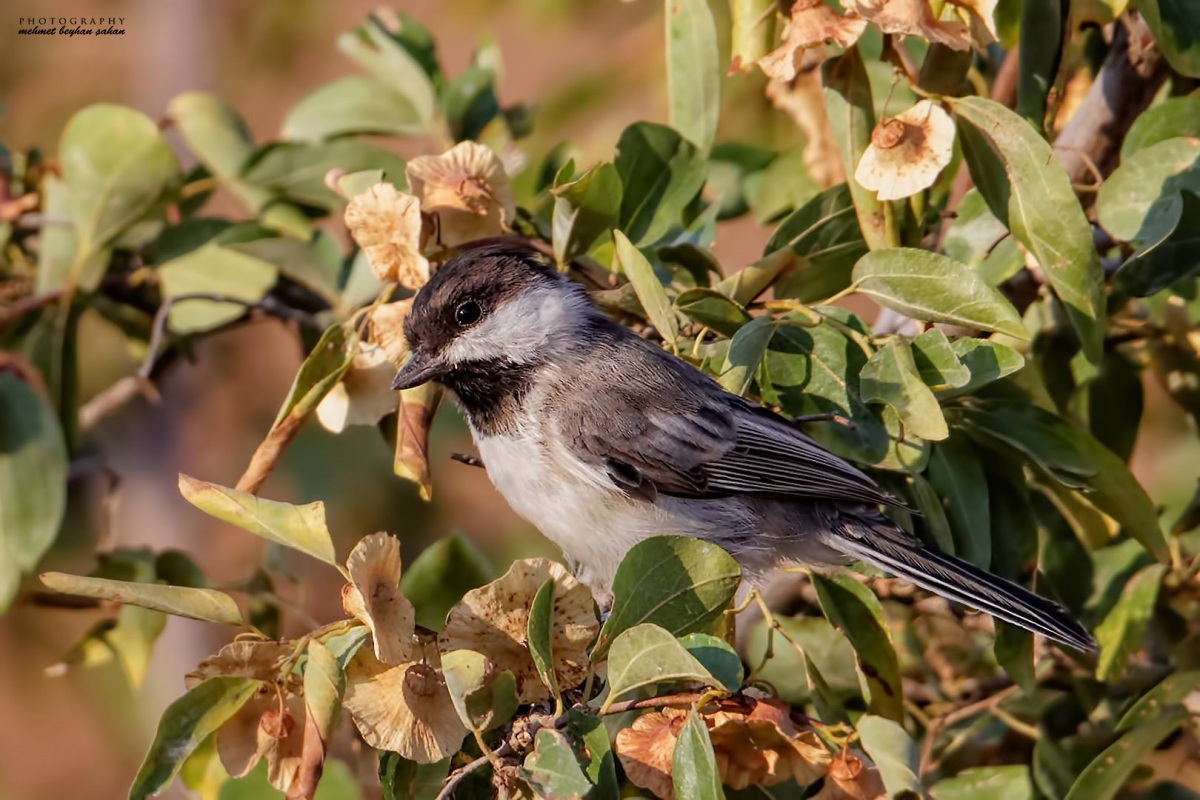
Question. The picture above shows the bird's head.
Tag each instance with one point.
(491, 307)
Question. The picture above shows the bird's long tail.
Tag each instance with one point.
(876, 541)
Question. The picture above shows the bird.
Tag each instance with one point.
(600, 438)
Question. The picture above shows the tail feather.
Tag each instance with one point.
(957, 580)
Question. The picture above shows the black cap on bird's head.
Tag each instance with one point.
(498, 303)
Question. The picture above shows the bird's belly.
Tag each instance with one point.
(574, 504)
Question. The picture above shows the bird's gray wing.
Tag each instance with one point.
(671, 430)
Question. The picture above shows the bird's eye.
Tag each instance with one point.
(468, 313)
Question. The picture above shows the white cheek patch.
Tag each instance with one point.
(521, 329)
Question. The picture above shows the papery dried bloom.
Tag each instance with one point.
(811, 25)
(405, 708)
(803, 101)
(386, 223)
(364, 395)
(912, 18)
(493, 619)
(981, 15)
(907, 152)
(264, 728)
(852, 776)
(246, 658)
(468, 191)
(387, 330)
(374, 598)
(764, 747)
(646, 748)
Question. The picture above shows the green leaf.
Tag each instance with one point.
(753, 34)
(661, 173)
(986, 783)
(1138, 192)
(650, 292)
(324, 685)
(816, 371)
(718, 657)
(1169, 257)
(646, 655)
(934, 288)
(297, 171)
(693, 71)
(403, 779)
(939, 366)
(387, 57)
(590, 739)
(213, 270)
(1043, 438)
(33, 481)
(351, 105)
(441, 575)
(484, 696)
(746, 352)
(694, 772)
(1043, 29)
(855, 611)
(932, 519)
(182, 601)
(584, 208)
(986, 360)
(1120, 634)
(1172, 118)
(1174, 24)
(300, 527)
(321, 371)
(676, 582)
(890, 376)
(185, 724)
(979, 240)
(812, 252)
(851, 114)
(1013, 649)
(714, 310)
(956, 471)
(1159, 700)
(1108, 772)
(893, 752)
(469, 102)
(115, 166)
(539, 631)
(307, 263)
(820, 646)
(552, 769)
(1039, 205)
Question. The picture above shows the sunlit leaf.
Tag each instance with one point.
(1039, 205)
(592, 746)
(552, 770)
(986, 360)
(297, 171)
(890, 376)
(584, 208)
(646, 655)
(661, 172)
(185, 724)
(746, 352)
(986, 783)
(676, 582)
(300, 527)
(357, 104)
(1173, 117)
(717, 656)
(932, 287)
(213, 271)
(851, 112)
(1174, 24)
(540, 631)
(1120, 634)
(1109, 771)
(693, 71)
(894, 753)
(712, 309)
(650, 290)
(855, 611)
(694, 770)
(203, 604)
(484, 695)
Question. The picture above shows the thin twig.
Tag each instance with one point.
(468, 459)
(26, 304)
(681, 700)
(456, 777)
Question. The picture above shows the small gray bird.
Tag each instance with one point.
(601, 439)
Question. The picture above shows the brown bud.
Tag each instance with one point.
(277, 723)
(422, 680)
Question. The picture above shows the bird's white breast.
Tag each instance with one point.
(573, 503)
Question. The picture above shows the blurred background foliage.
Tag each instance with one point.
(133, 416)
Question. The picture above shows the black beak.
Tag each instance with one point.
(419, 369)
